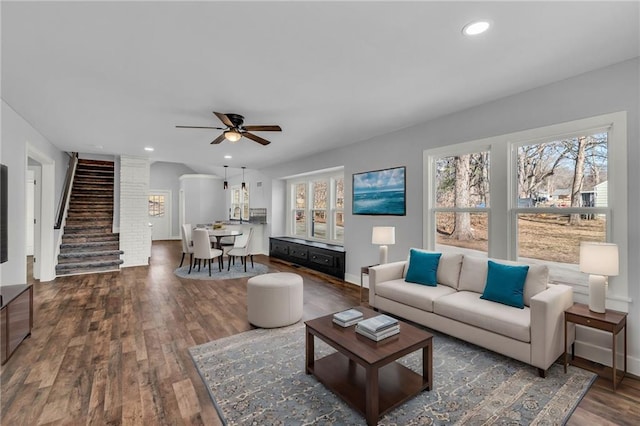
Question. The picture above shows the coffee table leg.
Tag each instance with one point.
(427, 365)
(309, 361)
(372, 396)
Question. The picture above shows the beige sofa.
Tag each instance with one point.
(534, 335)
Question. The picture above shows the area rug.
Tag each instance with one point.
(257, 378)
(237, 271)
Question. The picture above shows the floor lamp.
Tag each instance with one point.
(383, 235)
(600, 261)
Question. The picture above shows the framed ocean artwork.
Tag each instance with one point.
(380, 192)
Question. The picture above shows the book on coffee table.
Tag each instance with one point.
(388, 332)
(378, 323)
(347, 318)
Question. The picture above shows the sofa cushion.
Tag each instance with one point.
(505, 284)
(467, 307)
(448, 268)
(473, 276)
(423, 267)
(415, 295)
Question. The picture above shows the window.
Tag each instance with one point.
(461, 200)
(156, 205)
(300, 209)
(239, 203)
(561, 196)
(533, 196)
(317, 208)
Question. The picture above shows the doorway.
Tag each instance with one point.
(160, 214)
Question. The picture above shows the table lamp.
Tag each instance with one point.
(383, 235)
(600, 261)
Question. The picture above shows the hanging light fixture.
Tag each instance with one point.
(232, 135)
(225, 185)
(244, 186)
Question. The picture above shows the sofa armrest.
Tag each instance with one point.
(382, 273)
(547, 324)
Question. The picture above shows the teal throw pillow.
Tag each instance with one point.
(505, 284)
(423, 267)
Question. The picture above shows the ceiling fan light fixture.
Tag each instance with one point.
(232, 135)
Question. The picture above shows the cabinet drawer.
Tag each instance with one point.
(321, 258)
(277, 248)
(298, 252)
(590, 322)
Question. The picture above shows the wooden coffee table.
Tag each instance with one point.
(363, 372)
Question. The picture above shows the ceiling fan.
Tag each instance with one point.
(236, 129)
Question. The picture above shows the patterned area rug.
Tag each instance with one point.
(237, 271)
(257, 377)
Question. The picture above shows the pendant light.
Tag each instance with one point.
(225, 185)
(244, 186)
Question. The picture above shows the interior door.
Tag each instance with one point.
(160, 214)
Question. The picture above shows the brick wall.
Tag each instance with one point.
(135, 233)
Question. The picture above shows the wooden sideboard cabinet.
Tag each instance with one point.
(16, 318)
(326, 258)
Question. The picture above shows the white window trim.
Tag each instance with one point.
(502, 241)
(241, 203)
(330, 210)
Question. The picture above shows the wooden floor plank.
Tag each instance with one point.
(113, 348)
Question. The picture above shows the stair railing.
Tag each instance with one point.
(66, 191)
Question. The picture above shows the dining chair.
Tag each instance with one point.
(241, 248)
(187, 245)
(202, 249)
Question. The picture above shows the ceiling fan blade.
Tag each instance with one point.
(225, 120)
(218, 139)
(256, 138)
(199, 127)
(263, 128)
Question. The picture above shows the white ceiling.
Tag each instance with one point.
(111, 78)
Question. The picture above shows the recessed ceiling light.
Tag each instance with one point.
(475, 28)
(228, 157)
(148, 148)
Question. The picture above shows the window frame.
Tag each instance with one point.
(330, 209)
(242, 203)
(503, 208)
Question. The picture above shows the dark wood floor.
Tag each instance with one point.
(112, 348)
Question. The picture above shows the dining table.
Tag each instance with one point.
(219, 234)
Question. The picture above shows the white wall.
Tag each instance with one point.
(135, 232)
(166, 176)
(17, 135)
(204, 198)
(611, 89)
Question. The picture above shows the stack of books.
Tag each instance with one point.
(378, 327)
(347, 318)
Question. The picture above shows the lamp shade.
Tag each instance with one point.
(383, 235)
(599, 258)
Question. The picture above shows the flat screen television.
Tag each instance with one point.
(4, 231)
(380, 192)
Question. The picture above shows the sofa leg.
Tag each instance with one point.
(542, 373)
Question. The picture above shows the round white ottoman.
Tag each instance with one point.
(274, 300)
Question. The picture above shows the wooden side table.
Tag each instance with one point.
(364, 271)
(611, 321)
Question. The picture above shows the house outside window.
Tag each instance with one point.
(533, 196)
(316, 205)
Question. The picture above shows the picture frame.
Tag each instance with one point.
(380, 192)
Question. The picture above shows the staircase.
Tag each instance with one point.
(88, 243)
